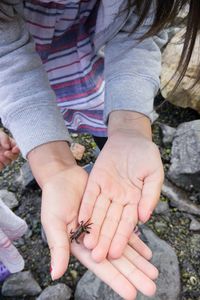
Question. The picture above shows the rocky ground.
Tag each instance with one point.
(180, 229)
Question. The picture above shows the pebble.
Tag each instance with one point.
(162, 207)
(20, 284)
(59, 291)
(178, 198)
(168, 133)
(9, 199)
(77, 150)
(194, 225)
(25, 178)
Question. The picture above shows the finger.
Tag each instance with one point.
(92, 191)
(136, 243)
(9, 255)
(16, 150)
(124, 230)
(4, 160)
(13, 143)
(5, 140)
(107, 232)
(10, 155)
(57, 238)
(150, 197)
(100, 209)
(141, 263)
(141, 282)
(106, 272)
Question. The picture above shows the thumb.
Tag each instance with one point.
(5, 140)
(150, 197)
(58, 241)
(9, 255)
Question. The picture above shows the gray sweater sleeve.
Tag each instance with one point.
(27, 103)
(132, 69)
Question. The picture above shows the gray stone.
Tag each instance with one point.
(194, 225)
(162, 207)
(88, 167)
(20, 284)
(59, 291)
(25, 178)
(91, 287)
(168, 133)
(179, 198)
(184, 170)
(165, 259)
(9, 199)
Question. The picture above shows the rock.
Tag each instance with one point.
(59, 291)
(43, 235)
(194, 247)
(154, 116)
(162, 207)
(9, 199)
(26, 179)
(88, 167)
(165, 259)
(77, 150)
(194, 225)
(184, 170)
(74, 135)
(183, 96)
(168, 133)
(179, 198)
(20, 284)
(91, 287)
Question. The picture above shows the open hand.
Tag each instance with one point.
(123, 188)
(61, 196)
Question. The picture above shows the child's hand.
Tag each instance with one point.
(123, 188)
(126, 275)
(61, 196)
(8, 150)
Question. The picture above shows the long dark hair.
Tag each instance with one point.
(165, 13)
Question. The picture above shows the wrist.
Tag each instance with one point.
(129, 122)
(48, 159)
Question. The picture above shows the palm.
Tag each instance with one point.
(61, 197)
(119, 191)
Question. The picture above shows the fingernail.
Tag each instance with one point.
(145, 219)
(148, 216)
(52, 273)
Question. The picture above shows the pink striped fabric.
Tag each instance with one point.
(63, 32)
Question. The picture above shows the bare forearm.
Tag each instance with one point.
(129, 121)
(48, 159)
